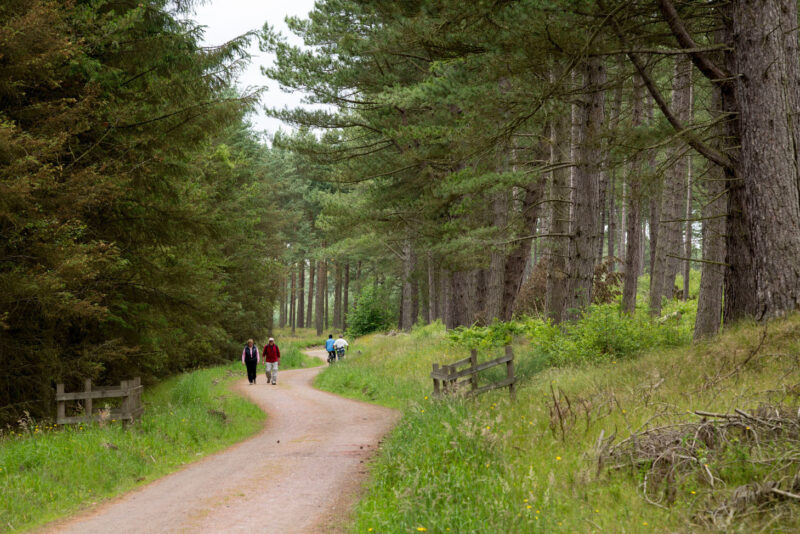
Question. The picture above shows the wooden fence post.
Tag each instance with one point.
(60, 409)
(125, 408)
(510, 372)
(473, 362)
(87, 403)
(137, 399)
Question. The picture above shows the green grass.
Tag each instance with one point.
(301, 338)
(293, 357)
(490, 465)
(47, 472)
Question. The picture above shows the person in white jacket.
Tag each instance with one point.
(340, 345)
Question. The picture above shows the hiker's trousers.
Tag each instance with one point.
(272, 371)
(252, 369)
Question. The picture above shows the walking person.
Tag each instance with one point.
(329, 347)
(272, 355)
(250, 358)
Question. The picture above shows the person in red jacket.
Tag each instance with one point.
(272, 355)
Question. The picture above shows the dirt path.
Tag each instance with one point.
(302, 473)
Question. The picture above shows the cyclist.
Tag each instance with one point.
(340, 345)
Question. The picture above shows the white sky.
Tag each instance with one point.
(225, 19)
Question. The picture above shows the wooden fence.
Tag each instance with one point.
(450, 379)
(130, 391)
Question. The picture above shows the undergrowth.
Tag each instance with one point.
(559, 458)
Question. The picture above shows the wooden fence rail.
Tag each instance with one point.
(450, 379)
(130, 391)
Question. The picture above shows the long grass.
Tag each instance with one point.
(47, 472)
(492, 465)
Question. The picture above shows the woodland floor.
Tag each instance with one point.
(302, 473)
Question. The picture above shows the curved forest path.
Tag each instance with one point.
(302, 473)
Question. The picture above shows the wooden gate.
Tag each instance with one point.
(450, 379)
(130, 391)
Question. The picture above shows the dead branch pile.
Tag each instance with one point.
(746, 462)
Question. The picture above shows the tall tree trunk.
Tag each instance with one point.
(633, 218)
(712, 277)
(346, 296)
(614, 126)
(460, 294)
(282, 304)
(446, 290)
(612, 219)
(587, 176)
(409, 263)
(669, 246)
(311, 272)
(327, 297)
(557, 276)
(687, 243)
(654, 191)
(655, 223)
(623, 223)
(337, 296)
(767, 69)
(293, 301)
(271, 317)
(497, 263)
(301, 282)
(521, 253)
(431, 291)
(319, 305)
(479, 284)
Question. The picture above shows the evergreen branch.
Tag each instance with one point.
(710, 153)
(705, 65)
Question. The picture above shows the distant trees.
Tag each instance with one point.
(441, 108)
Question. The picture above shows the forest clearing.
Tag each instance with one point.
(609, 191)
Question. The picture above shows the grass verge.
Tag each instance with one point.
(556, 460)
(48, 472)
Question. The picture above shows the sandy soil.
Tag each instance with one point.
(302, 473)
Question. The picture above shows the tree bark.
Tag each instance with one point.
(687, 242)
(446, 289)
(282, 304)
(712, 277)
(409, 263)
(346, 296)
(612, 219)
(337, 296)
(311, 272)
(301, 282)
(431, 316)
(327, 297)
(623, 223)
(669, 247)
(557, 276)
(632, 220)
(521, 253)
(765, 47)
(293, 301)
(460, 295)
(319, 305)
(614, 124)
(587, 176)
(497, 263)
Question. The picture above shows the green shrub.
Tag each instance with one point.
(372, 312)
(602, 333)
